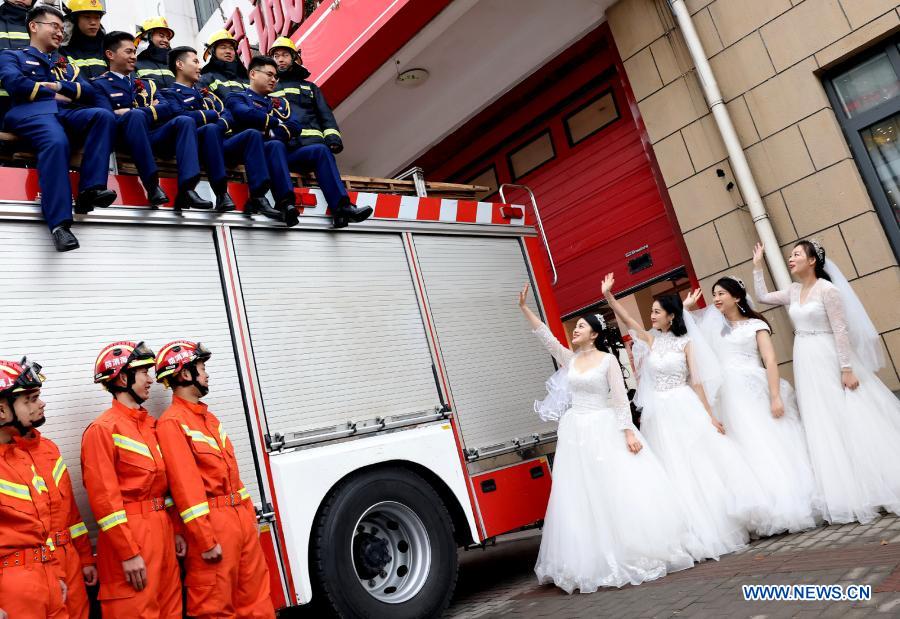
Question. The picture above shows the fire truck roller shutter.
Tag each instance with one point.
(340, 313)
(496, 367)
(127, 282)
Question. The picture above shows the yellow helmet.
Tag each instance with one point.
(283, 42)
(85, 6)
(218, 37)
(151, 24)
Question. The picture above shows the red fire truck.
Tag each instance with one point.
(377, 382)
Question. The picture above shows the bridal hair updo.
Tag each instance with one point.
(736, 288)
(598, 325)
(813, 249)
(672, 305)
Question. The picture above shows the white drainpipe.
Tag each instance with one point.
(742, 173)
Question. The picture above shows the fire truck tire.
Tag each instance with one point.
(383, 546)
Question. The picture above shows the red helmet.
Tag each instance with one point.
(118, 356)
(175, 356)
(16, 378)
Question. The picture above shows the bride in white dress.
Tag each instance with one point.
(612, 519)
(758, 408)
(852, 420)
(719, 493)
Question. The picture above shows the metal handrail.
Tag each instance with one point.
(537, 217)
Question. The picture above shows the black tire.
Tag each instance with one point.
(332, 560)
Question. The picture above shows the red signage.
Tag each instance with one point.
(272, 19)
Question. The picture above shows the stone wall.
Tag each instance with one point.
(768, 56)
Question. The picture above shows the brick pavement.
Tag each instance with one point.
(499, 581)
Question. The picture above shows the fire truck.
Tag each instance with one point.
(377, 382)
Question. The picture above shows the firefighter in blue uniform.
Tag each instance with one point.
(146, 125)
(153, 62)
(319, 137)
(13, 35)
(85, 46)
(48, 98)
(217, 140)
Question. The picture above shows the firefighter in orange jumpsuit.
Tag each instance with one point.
(69, 536)
(226, 573)
(125, 477)
(31, 576)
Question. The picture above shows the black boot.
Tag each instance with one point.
(88, 200)
(261, 205)
(156, 196)
(287, 206)
(352, 212)
(64, 240)
(224, 203)
(191, 199)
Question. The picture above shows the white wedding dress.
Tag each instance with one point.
(612, 518)
(719, 493)
(853, 436)
(774, 448)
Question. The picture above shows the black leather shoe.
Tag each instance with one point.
(287, 206)
(157, 197)
(261, 205)
(191, 199)
(94, 198)
(64, 240)
(339, 220)
(224, 203)
(355, 213)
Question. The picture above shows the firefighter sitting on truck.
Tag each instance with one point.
(252, 109)
(13, 35)
(145, 125)
(85, 46)
(31, 584)
(153, 62)
(319, 136)
(125, 478)
(48, 98)
(226, 570)
(68, 531)
(224, 73)
(218, 142)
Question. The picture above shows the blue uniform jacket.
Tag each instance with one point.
(272, 116)
(116, 93)
(204, 107)
(22, 72)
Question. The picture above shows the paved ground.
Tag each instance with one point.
(499, 582)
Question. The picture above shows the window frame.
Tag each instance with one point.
(487, 168)
(565, 119)
(853, 127)
(524, 144)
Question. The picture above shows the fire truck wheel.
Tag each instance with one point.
(383, 546)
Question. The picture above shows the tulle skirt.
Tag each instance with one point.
(775, 449)
(612, 517)
(720, 495)
(853, 436)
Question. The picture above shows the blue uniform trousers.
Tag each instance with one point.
(244, 148)
(49, 136)
(177, 136)
(321, 160)
(277, 160)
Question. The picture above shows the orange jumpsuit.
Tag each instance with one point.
(69, 534)
(125, 478)
(215, 508)
(29, 570)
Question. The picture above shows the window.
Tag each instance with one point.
(866, 97)
(486, 178)
(531, 155)
(205, 9)
(591, 117)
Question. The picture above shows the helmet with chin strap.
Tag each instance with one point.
(121, 357)
(17, 379)
(181, 355)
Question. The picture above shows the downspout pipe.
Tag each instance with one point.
(742, 173)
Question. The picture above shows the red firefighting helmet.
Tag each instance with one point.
(17, 378)
(175, 356)
(118, 356)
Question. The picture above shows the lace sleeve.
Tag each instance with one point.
(834, 308)
(618, 396)
(779, 297)
(559, 352)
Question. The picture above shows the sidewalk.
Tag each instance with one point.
(499, 582)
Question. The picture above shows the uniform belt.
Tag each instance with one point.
(61, 538)
(151, 505)
(226, 500)
(27, 556)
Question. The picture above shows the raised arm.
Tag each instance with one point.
(622, 314)
(562, 354)
(779, 297)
